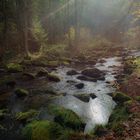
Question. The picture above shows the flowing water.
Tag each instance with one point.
(98, 110)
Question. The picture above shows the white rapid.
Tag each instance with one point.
(95, 112)
(98, 110)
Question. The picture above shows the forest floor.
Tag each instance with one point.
(27, 73)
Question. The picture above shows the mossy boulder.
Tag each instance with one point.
(119, 115)
(26, 116)
(42, 72)
(137, 98)
(128, 103)
(65, 63)
(85, 97)
(72, 72)
(53, 63)
(80, 85)
(3, 113)
(53, 77)
(93, 73)
(43, 130)
(14, 67)
(67, 118)
(121, 97)
(28, 76)
(21, 92)
(85, 78)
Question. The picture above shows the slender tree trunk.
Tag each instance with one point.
(26, 28)
(77, 29)
(19, 23)
(68, 15)
(4, 25)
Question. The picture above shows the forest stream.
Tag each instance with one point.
(97, 105)
(90, 98)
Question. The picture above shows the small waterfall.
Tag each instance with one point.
(96, 112)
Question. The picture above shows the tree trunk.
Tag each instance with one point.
(77, 29)
(26, 28)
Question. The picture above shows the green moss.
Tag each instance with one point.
(13, 67)
(53, 63)
(2, 128)
(66, 118)
(21, 92)
(3, 113)
(66, 63)
(137, 98)
(128, 103)
(121, 97)
(24, 116)
(83, 97)
(43, 130)
(53, 77)
(137, 63)
(119, 115)
(42, 72)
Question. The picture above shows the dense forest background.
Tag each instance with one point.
(69, 69)
(32, 26)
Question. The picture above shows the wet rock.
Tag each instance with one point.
(53, 78)
(94, 73)
(72, 72)
(92, 95)
(102, 61)
(102, 78)
(91, 62)
(42, 72)
(13, 67)
(85, 78)
(28, 76)
(71, 82)
(21, 92)
(79, 86)
(85, 97)
(108, 82)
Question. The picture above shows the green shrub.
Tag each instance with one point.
(13, 67)
(24, 116)
(67, 118)
(121, 97)
(43, 130)
(119, 115)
